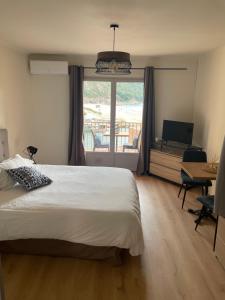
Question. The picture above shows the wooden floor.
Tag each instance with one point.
(178, 263)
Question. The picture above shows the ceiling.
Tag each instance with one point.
(147, 27)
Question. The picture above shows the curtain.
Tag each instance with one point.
(148, 122)
(76, 154)
(220, 185)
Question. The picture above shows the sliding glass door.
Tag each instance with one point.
(97, 109)
(112, 122)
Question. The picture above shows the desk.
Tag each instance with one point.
(198, 170)
(120, 134)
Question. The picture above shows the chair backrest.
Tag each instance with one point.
(194, 156)
(136, 140)
(88, 138)
(97, 141)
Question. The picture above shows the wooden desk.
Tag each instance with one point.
(197, 170)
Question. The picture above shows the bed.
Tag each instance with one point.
(87, 212)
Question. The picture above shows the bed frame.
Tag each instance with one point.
(61, 248)
(50, 246)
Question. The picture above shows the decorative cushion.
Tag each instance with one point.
(29, 178)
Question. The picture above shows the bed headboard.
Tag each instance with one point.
(4, 147)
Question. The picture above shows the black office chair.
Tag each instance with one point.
(192, 155)
(207, 211)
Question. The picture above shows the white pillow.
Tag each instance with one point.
(15, 162)
(6, 181)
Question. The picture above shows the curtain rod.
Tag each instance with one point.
(169, 69)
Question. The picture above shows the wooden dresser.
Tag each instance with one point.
(220, 241)
(166, 164)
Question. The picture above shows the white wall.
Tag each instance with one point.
(50, 106)
(49, 117)
(35, 111)
(174, 90)
(209, 108)
(35, 108)
(14, 97)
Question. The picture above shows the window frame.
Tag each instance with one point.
(113, 81)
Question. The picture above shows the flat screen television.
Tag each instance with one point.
(175, 131)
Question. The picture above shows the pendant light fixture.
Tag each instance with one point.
(113, 62)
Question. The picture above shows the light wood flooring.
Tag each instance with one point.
(178, 263)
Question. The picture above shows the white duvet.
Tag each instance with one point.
(96, 206)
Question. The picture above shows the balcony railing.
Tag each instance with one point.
(97, 135)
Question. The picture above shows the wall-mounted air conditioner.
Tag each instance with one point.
(47, 67)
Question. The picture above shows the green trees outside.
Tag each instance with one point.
(100, 92)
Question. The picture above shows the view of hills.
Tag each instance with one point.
(100, 92)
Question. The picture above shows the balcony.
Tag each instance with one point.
(97, 136)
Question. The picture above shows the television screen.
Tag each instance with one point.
(181, 132)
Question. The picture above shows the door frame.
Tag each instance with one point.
(112, 158)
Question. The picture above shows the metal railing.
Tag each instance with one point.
(99, 131)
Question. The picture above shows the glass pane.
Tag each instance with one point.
(97, 101)
(129, 106)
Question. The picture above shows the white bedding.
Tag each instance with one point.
(96, 206)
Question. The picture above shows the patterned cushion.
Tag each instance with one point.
(29, 177)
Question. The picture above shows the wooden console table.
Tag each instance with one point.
(166, 164)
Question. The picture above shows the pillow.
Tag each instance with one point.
(29, 178)
(6, 182)
(15, 162)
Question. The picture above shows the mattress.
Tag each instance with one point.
(96, 206)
